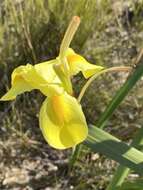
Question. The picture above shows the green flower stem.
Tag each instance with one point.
(120, 95)
(74, 156)
(88, 83)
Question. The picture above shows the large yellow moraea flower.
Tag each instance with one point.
(61, 118)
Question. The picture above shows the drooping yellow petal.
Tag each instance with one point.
(62, 121)
(77, 63)
(19, 87)
(29, 77)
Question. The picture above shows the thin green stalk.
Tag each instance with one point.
(88, 83)
(120, 95)
(118, 178)
(74, 156)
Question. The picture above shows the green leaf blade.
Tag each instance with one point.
(104, 143)
(134, 185)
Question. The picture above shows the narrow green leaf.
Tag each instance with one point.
(74, 156)
(121, 94)
(135, 185)
(100, 141)
(122, 172)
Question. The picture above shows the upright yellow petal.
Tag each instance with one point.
(62, 121)
(77, 63)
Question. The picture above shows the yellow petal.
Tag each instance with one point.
(52, 90)
(38, 75)
(62, 121)
(77, 63)
(29, 77)
(19, 87)
(51, 132)
(46, 72)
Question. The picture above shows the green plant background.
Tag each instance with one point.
(110, 34)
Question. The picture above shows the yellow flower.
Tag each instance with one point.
(61, 118)
(62, 121)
